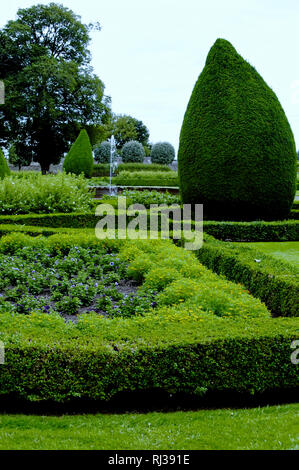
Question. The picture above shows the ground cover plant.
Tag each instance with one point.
(36, 193)
(162, 152)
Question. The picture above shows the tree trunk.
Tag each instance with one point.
(45, 169)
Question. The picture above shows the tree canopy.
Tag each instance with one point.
(51, 90)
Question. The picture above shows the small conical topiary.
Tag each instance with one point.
(237, 152)
(4, 168)
(79, 159)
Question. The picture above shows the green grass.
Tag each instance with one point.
(274, 427)
(285, 251)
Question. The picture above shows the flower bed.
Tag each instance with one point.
(33, 192)
(41, 275)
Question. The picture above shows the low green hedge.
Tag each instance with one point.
(142, 167)
(183, 346)
(47, 359)
(285, 230)
(103, 169)
(272, 281)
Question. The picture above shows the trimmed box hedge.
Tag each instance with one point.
(272, 281)
(287, 230)
(179, 348)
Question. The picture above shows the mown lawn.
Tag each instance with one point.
(274, 427)
(285, 251)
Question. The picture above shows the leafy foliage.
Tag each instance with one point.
(79, 159)
(163, 152)
(273, 281)
(237, 153)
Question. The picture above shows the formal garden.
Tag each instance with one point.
(185, 349)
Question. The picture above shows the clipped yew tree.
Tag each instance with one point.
(79, 159)
(237, 152)
(4, 168)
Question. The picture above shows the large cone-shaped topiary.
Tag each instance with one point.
(4, 168)
(80, 159)
(237, 152)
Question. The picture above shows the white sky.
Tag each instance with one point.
(150, 53)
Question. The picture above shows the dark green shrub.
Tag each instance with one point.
(4, 169)
(132, 152)
(163, 153)
(79, 159)
(237, 153)
(102, 152)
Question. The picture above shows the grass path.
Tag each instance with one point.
(275, 427)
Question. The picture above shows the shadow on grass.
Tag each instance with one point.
(149, 401)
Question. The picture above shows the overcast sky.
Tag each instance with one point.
(150, 53)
